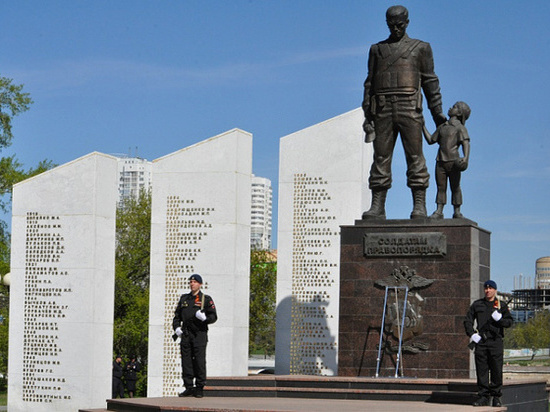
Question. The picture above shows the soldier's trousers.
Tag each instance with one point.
(489, 357)
(398, 115)
(118, 388)
(193, 358)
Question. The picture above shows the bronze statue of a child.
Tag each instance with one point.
(451, 135)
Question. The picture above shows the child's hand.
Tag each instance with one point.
(462, 164)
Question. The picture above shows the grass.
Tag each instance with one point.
(528, 362)
(3, 398)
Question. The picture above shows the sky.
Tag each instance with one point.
(148, 78)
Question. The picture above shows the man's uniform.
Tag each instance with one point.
(489, 352)
(393, 100)
(195, 336)
(118, 387)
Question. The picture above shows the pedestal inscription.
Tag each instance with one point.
(404, 244)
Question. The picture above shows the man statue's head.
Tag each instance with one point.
(397, 18)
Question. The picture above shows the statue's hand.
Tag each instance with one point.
(462, 164)
(439, 119)
(368, 127)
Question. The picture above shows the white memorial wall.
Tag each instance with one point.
(62, 287)
(323, 172)
(201, 224)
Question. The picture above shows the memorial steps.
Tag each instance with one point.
(316, 393)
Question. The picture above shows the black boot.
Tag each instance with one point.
(419, 208)
(482, 401)
(378, 205)
(187, 392)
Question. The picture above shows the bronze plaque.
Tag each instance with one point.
(404, 244)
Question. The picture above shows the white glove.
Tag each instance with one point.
(179, 332)
(200, 315)
(496, 315)
(475, 338)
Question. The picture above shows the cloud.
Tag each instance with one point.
(521, 236)
(66, 75)
(88, 72)
(524, 220)
(323, 55)
(540, 172)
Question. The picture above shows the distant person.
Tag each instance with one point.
(399, 70)
(195, 311)
(451, 136)
(130, 373)
(491, 317)
(118, 387)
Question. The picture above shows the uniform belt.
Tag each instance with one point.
(399, 97)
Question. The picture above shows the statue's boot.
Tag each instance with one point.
(378, 205)
(419, 208)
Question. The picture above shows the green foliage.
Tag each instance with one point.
(510, 341)
(263, 279)
(534, 334)
(12, 102)
(133, 229)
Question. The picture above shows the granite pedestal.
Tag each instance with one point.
(448, 258)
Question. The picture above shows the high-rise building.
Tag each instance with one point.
(134, 175)
(542, 276)
(261, 211)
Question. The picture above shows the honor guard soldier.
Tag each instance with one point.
(195, 311)
(491, 316)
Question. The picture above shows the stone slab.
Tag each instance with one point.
(322, 185)
(201, 224)
(62, 287)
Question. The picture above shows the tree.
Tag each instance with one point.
(132, 257)
(535, 334)
(12, 102)
(263, 279)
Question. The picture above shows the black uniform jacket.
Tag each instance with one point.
(188, 305)
(117, 370)
(481, 310)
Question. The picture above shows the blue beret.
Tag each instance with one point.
(196, 277)
(490, 283)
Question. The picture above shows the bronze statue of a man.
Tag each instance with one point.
(399, 68)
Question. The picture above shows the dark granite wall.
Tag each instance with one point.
(458, 279)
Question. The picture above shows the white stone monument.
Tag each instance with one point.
(62, 287)
(323, 176)
(201, 224)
